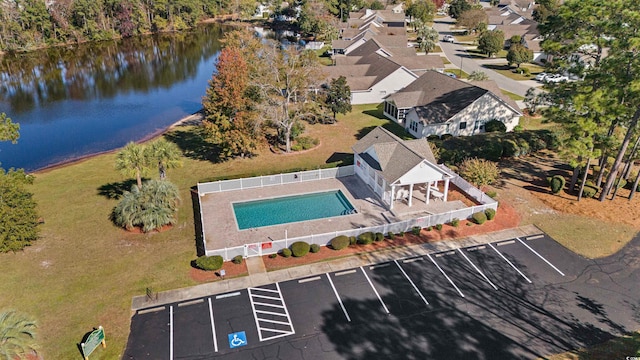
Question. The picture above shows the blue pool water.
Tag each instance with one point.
(282, 210)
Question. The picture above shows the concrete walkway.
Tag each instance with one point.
(258, 275)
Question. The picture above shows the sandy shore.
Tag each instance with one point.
(193, 119)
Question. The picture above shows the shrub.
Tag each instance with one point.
(400, 234)
(314, 248)
(556, 184)
(300, 248)
(492, 194)
(339, 242)
(209, 263)
(286, 252)
(479, 217)
(304, 143)
(366, 238)
(495, 126)
(622, 183)
(273, 256)
(430, 228)
(391, 235)
(438, 227)
(237, 259)
(518, 128)
(469, 223)
(510, 149)
(379, 236)
(352, 240)
(589, 191)
(455, 222)
(479, 171)
(416, 230)
(524, 147)
(444, 137)
(490, 213)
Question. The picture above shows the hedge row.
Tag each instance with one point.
(495, 146)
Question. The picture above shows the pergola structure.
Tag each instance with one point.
(394, 168)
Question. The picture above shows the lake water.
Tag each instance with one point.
(76, 101)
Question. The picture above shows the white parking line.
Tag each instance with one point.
(270, 305)
(412, 260)
(269, 313)
(171, 332)
(267, 290)
(508, 242)
(379, 266)
(478, 270)
(344, 272)
(213, 327)
(509, 262)
(445, 275)
(374, 290)
(192, 302)
(540, 256)
(481, 247)
(274, 321)
(228, 295)
(264, 296)
(338, 297)
(411, 282)
(155, 309)
(535, 237)
(308, 279)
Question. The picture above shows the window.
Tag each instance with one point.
(413, 126)
(463, 125)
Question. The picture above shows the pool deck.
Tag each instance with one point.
(221, 230)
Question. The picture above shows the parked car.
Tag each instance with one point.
(541, 76)
(555, 78)
(448, 38)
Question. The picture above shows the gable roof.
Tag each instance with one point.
(395, 156)
(365, 72)
(438, 97)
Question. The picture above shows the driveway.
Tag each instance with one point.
(457, 54)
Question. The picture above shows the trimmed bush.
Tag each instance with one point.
(237, 259)
(455, 222)
(495, 126)
(285, 252)
(366, 238)
(209, 263)
(416, 230)
(430, 228)
(479, 217)
(400, 234)
(314, 248)
(379, 236)
(589, 191)
(556, 184)
(300, 248)
(339, 242)
(391, 235)
(438, 227)
(492, 194)
(510, 149)
(352, 240)
(490, 213)
(273, 256)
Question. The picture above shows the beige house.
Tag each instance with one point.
(436, 104)
(394, 168)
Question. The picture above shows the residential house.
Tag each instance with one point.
(394, 168)
(436, 104)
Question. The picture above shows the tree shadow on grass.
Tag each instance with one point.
(377, 113)
(496, 66)
(115, 190)
(194, 144)
(340, 159)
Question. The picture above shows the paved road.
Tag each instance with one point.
(510, 299)
(459, 57)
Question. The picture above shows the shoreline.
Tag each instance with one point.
(192, 119)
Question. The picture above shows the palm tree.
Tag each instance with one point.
(17, 336)
(167, 154)
(132, 160)
(152, 207)
(427, 38)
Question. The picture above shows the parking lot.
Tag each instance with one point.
(519, 298)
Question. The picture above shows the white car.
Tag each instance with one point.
(448, 38)
(541, 76)
(555, 78)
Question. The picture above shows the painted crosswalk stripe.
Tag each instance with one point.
(276, 309)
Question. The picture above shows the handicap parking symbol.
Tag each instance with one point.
(237, 339)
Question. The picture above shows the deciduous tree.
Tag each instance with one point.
(490, 42)
(472, 18)
(480, 172)
(519, 54)
(9, 131)
(423, 10)
(457, 7)
(338, 97)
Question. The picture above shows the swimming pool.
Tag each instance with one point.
(288, 209)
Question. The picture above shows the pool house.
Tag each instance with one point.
(397, 169)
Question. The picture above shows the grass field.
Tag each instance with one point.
(507, 70)
(84, 271)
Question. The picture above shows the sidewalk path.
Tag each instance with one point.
(258, 275)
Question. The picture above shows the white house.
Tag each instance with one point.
(394, 168)
(436, 104)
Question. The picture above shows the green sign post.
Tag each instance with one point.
(93, 340)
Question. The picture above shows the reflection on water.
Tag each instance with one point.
(80, 100)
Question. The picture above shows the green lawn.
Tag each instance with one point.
(84, 271)
(507, 70)
(512, 95)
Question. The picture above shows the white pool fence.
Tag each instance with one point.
(273, 247)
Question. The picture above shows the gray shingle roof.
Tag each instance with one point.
(363, 75)
(396, 157)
